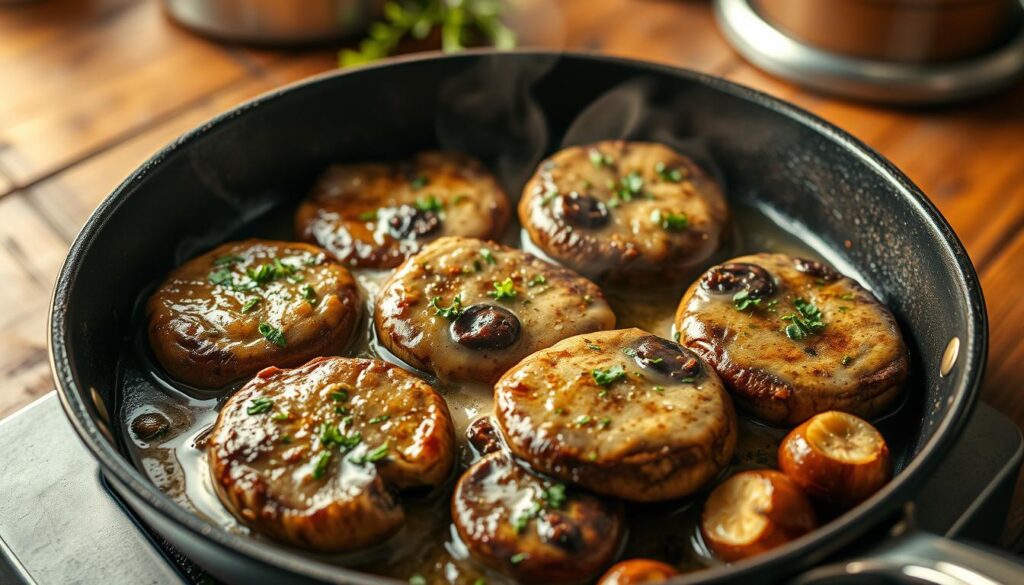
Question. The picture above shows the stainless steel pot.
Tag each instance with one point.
(275, 22)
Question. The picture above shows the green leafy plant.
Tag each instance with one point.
(462, 22)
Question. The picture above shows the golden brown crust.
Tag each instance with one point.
(205, 319)
(572, 211)
(856, 363)
(375, 215)
(640, 435)
(306, 456)
(549, 303)
(531, 528)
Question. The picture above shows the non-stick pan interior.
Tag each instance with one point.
(511, 111)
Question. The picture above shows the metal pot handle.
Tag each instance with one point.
(922, 557)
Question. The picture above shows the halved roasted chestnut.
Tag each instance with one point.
(408, 222)
(666, 357)
(736, 276)
(754, 511)
(582, 210)
(638, 571)
(815, 268)
(485, 327)
(483, 436)
(837, 458)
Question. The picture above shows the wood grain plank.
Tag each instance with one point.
(65, 100)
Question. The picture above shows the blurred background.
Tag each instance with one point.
(91, 88)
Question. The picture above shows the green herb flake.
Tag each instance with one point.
(670, 222)
(583, 420)
(338, 393)
(221, 277)
(279, 416)
(330, 435)
(559, 410)
(250, 305)
(604, 422)
(658, 388)
(743, 301)
(320, 464)
(807, 321)
(631, 352)
(630, 186)
(554, 496)
(228, 260)
(522, 520)
(505, 289)
(518, 558)
(429, 203)
(594, 346)
(286, 439)
(379, 419)
(419, 182)
(666, 174)
(847, 297)
(380, 452)
(537, 280)
(368, 215)
(309, 293)
(487, 255)
(847, 360)
(272, 334)
(260, 405)
(608, 376)
(450, 312)
(599, 159)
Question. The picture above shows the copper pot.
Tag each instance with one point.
(906, 31)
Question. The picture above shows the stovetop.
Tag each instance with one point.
(59, 524)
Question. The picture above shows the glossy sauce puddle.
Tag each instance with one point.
(427, 545)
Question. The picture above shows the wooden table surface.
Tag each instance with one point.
(91, 88)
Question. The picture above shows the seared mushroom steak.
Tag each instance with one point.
(533, 529)
(623, 413)
(792, 337)
(309, 456)
(375, 215)
(624, 212)
(247, 305)
(465, 309)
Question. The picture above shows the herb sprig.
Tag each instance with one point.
(806, 321)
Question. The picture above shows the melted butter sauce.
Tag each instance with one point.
(428, 544)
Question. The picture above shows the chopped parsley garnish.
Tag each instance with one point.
(260, 405)
(450, 312)
(629, 351)
(487, 255)
(368, 215)
(594, 346)
(330, 435)
(667, 174)
(419, 182)
(521, 521)
(583, 420)
(221, 277)
(671, 222)
(373, 456)
(227, 260)
(279, 416)
(847, 360)
(604, 422)
(658, 388)
(340, 395)
(309, 293)
(262, 273)
(847, 297)
(379, 419)
(505, 289)
(341, 410)
(537, 280)
(429, 203)
(609, 376)
(554, 496)
(743, 301)
(807, 320)
(518, 558)
(320, 464)
(630, 186)
(272, 334)
(599, 159)
(250, 305)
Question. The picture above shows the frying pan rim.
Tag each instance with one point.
(819, 543)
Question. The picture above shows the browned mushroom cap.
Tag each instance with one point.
(638, 572)
(246, 305)
(632, 213)
(530, 528)
(375, 215)
(792, 338)
(486, 327)
(483, 436)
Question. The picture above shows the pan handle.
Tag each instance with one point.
(922, 557)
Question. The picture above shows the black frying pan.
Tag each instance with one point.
(510, 110)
